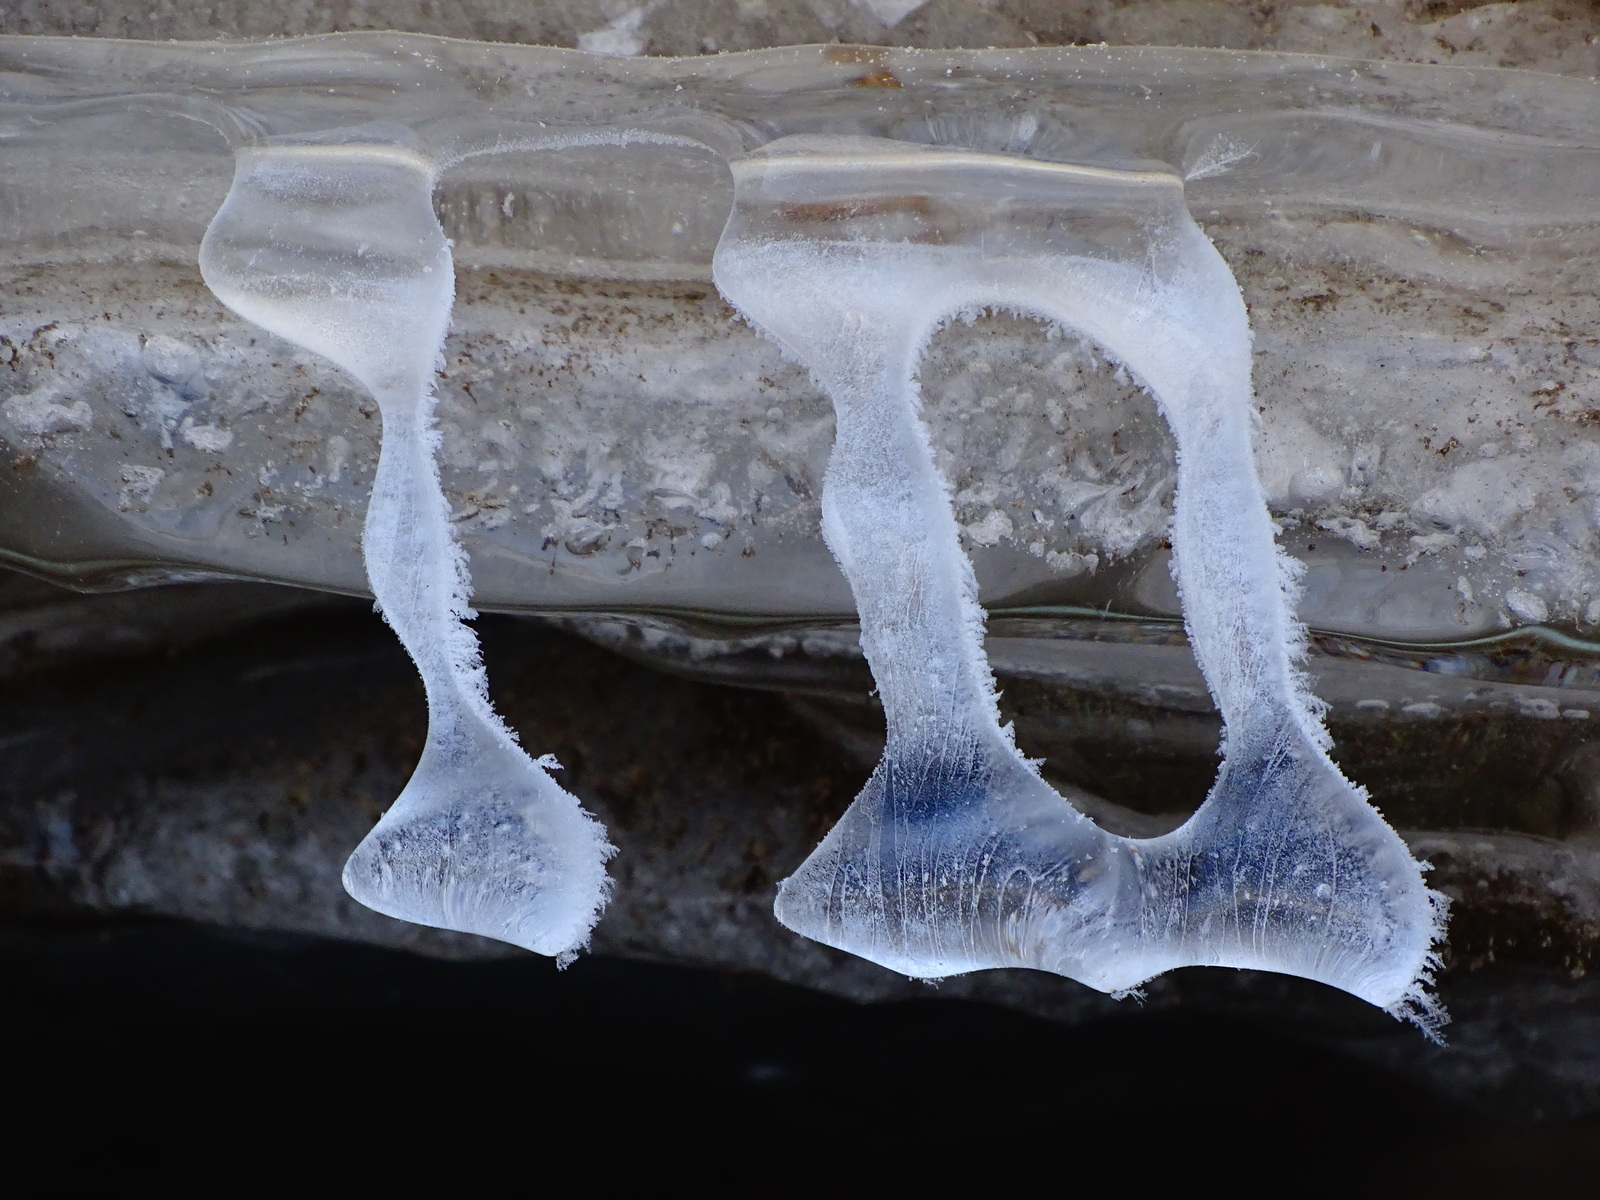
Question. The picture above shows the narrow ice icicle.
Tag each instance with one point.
(957, 856)
(336, 248)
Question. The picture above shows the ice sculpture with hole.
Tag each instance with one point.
(336, 248)
(957, 856)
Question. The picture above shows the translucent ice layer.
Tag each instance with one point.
(1417, 247)
(336, 249)
(957, 856)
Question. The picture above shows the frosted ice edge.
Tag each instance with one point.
(957, 856)
(336, 248)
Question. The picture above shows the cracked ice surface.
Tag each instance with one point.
(957, 856)
(336, 249)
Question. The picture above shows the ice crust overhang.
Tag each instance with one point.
(1370, 211)
(1416, 245)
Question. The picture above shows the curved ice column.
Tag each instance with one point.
(336, 248)
(957, 856)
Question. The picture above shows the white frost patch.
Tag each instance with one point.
(1422, 708)
(576, 527)
(683, 466)
(41, 413)
(138, 485)
(1527, 607)
(991, 530)
(1432, 543)
(1071, 563)
(621, 38)
(888, 13)
(212, 439)
(170, 360)
(1354, 530)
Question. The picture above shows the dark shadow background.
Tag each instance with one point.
(116, 1018)
(213, 1032)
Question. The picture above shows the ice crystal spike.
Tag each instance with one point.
(957, 856)
(336, 248)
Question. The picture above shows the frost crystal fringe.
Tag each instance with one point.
(957, 856)
(336, 248)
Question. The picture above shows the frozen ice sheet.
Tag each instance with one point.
(1417, 247)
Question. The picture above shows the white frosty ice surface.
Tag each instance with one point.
(336, 248)
(957, 856)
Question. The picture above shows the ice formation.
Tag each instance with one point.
(1416, 246)
(336, 248)
(957, 856)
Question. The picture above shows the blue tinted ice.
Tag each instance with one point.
(957, 856)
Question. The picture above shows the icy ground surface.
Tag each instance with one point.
(957, 855)
(336, 249)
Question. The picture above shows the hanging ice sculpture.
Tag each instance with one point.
(336, 248)
(957, 856)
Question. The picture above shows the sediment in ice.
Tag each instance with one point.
(1416, 247)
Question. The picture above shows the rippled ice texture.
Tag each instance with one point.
(1417, 247)
(337, 249)
(957, 856)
